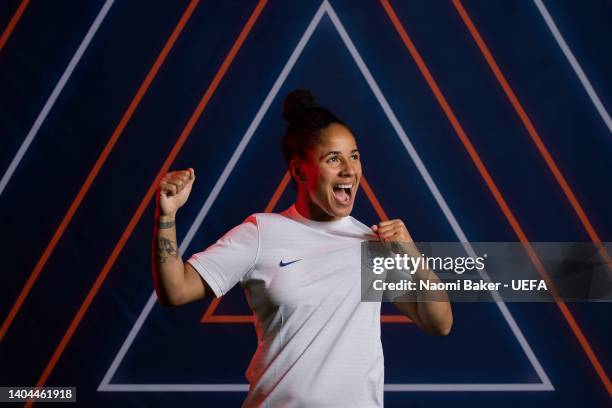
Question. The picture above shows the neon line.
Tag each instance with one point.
(465, 140)
(13, 22)
(437, 195)
(59, 87)
(545, 385)
(76, 202)
(278, 192)
(142, 317)
(467, 387)
(249, 133)
(550, 162)
(586, 84)
(553, 167)
(388, 387)
(375, 203)
(150, 193)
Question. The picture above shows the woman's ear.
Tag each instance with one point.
(297, 170)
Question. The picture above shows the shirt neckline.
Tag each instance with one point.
(293, 213)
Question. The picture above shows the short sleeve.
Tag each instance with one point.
(227, 261)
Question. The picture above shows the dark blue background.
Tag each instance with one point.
(173, 346)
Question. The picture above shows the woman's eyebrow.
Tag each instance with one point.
(328, 153)
(337, 152)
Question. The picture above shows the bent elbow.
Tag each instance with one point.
(168, 301)
(442, 329)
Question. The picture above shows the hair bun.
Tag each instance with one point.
(296, 103)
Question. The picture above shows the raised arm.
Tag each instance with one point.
(434, 317)
(176, 282)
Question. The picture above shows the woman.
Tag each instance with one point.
(318, 344)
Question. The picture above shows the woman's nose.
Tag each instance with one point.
(348, 169)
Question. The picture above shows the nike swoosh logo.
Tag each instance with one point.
(281, 263)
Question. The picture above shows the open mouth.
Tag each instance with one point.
(343, 193)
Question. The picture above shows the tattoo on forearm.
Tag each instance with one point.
(166, 224)
(166, 249)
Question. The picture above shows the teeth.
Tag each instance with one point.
(343, 186)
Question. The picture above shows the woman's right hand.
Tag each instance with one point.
(174, 190)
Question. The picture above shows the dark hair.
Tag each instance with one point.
(306, 121)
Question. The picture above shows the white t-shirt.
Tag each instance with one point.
(318, 344)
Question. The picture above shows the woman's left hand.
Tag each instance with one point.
(392, 230)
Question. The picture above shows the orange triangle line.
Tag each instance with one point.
(209, 316)
(373, 200)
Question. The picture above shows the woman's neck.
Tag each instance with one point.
(310, 210)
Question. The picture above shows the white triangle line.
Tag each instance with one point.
(59, 87)
(325, 7)
(388, 387)
(436, 193)
(586, 84)
(250, 131)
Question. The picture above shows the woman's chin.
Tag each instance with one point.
(341, 210)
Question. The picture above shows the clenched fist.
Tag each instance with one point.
(395, 236)
(392, 230)
(174, 190)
